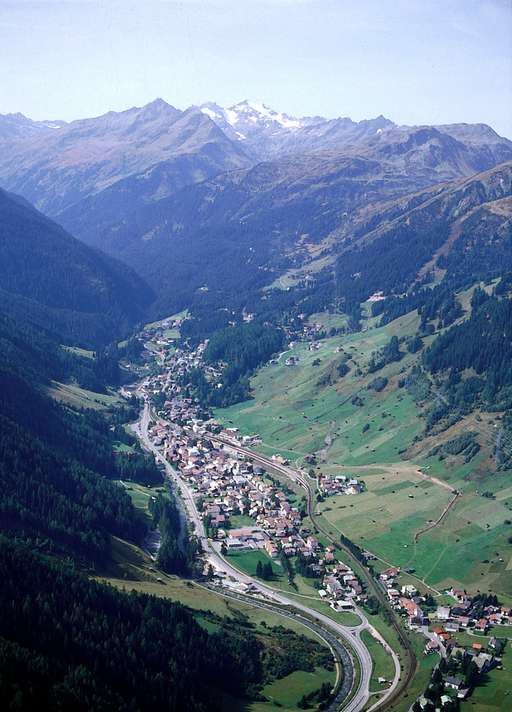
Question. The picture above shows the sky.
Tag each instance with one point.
(414, 61)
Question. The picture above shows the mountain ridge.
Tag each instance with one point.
(57, 164)
(60, 283)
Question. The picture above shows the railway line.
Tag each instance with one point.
(410, 665)
(346, 637)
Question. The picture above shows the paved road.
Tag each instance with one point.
(339, 651)
(350, 637)
(301, 480)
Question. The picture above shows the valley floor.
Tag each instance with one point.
(296, 411)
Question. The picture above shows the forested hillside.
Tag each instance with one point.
(71, 644)
(55, 462)
(67, 642)
(55, 281)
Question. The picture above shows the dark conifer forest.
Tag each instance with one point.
(174, 255)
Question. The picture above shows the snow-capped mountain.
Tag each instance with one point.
(270, 133)
(250, 117)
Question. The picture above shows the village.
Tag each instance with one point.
(245, 508)
(463, 662)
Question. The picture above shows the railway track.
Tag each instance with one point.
(410, 663)
(342, 659)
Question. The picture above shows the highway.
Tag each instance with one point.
(341, 656)
(349, 637)
(398, 684)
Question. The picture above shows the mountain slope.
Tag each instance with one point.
(461, 232)
(266, 133)
(54, 168)
(248, 226)
(61, 284)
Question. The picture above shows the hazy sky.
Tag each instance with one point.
(415, 61)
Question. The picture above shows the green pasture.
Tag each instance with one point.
(141, 495)
(496, 691)
(241, 520)
(382, 662)
(286, 692)
(76, 397)
(156, 324)
(84, 353)
(295, 408)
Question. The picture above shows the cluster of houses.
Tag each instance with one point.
(474, 613)
(404, 598)
(341, 585)
(339, 484)
(226, 485)
(467, 613)
(311, 331)
(292, 361)
(462, 668)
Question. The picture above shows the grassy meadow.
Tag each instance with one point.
(377, 437)
(76, 397)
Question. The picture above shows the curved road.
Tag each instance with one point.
(392, 692)
(339, 651)
(349, 636)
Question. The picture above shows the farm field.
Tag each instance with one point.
(76, 397)
(307, 410)
(472, 540)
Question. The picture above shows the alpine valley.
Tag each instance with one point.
(256, 412)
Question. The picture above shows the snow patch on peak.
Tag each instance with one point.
(257, 111)
(211, 114)
(231, 116)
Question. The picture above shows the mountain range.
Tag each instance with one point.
(270, 232)
(145, 154)
(183, 197)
